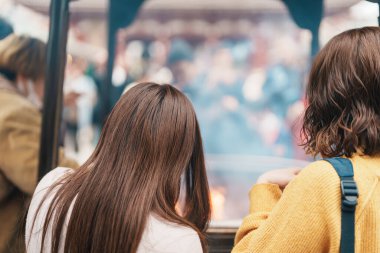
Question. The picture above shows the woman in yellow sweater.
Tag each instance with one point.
(342, 119)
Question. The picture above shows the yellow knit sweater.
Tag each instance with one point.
(306, 217)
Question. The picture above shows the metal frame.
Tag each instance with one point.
(52, 109)
(107, 82)
(378, 18)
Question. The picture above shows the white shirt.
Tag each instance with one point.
(159, 236)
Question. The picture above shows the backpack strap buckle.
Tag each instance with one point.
(349, 194)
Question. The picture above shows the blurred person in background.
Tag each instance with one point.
(223, 105)
(22, 76)
(180, 62)
(80, 91)
(125, 197)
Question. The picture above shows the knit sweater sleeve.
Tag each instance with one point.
(303, 218)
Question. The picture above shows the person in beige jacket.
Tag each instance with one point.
(22, 70)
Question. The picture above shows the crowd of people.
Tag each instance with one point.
(144, 188)
(247, 92)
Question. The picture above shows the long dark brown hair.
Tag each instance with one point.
(343, 93)
(149, 142)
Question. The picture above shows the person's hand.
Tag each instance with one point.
(280, 177)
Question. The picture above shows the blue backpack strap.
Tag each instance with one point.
(350, 194)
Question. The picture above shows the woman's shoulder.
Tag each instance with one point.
(13, 102)
(164, 236)
(321, 178)
(318, 172)
(323, 171)
(44, 185)
(50, 178)
(35, 219)
(317, 183)
(43, 188)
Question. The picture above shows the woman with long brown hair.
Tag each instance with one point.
(125, 197)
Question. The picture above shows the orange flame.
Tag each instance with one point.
(217, 201)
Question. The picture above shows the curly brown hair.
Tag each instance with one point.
(343, 93)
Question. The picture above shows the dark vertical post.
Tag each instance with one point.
(56, 62)
(307, 14)
(121, 13)
(378, 18)
(107, 84)
(314, 44)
